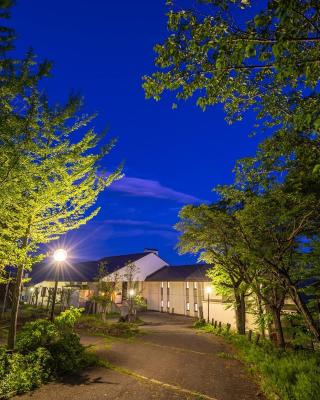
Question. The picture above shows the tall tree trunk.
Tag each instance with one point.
(16, 295)
(297, 299)
(276, 314)
(15, 308)
(303, 308)
(261, 316)
(240, 310)
(268, 312)
(243, 312)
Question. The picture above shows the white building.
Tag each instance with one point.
(180, 289)
(79, 280)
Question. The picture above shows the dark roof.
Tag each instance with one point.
(181, 273)
(86, 271)
(71, 272)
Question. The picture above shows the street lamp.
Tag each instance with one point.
(59, 256)
(208, 290)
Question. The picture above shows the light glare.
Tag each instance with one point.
(60, 255)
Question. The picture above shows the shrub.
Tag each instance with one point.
(67, 354)
(40, 333)
(20, 373)
(199, 323)
(296, 331)
(45, 350)
(67, 319)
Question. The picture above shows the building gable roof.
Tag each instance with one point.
(181, 273)
(86, 271)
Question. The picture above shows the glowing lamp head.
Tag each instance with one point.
(208, 289)
(60, 255)
(131, 292)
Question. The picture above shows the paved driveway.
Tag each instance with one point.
(169, 361)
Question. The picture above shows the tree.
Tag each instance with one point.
(60, 184)
(276, 227)
(268, 63)
(130, 277)
(215, 233)
(212, 233)
(106, 288)
(18, 78)
(214, 56)
(49, 165)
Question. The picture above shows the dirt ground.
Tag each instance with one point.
(168, 361)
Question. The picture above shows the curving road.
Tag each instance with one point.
(169, 361)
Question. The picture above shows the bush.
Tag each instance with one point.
(290, 375)
(199, 323)
(20, 373)
(296, 331)
(67, 319)
(68, 354)
(45, 350)
(40, 333)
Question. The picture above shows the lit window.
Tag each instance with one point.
(187, 285)
(168, 304)
(168, 284)
(195, 285)
(195, 307)
(161, 303)
(162, 284)
(188, 306)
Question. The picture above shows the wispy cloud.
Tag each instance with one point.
(141, 227)
(116, 228)
(139, 187)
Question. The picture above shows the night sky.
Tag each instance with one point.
(102, 49)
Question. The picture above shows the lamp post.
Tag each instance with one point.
(31, 295)
(131, 294)
(59, 257)
(208, 290)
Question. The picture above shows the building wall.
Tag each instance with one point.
(191, 298)
(78, 296)
(151, 292)
(220, 312)
(183, 298)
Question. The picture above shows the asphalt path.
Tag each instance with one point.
(170, 360)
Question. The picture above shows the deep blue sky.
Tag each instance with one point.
(102, 49)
